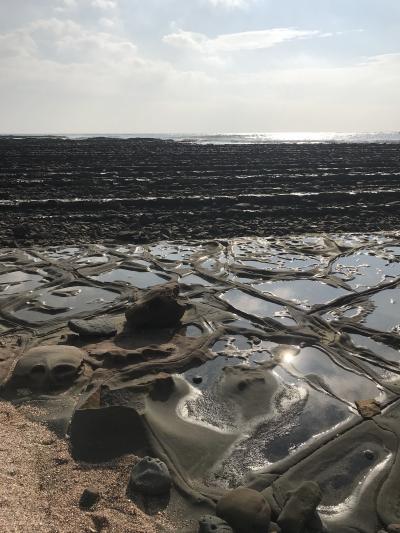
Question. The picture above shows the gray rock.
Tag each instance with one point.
(159, 308)
(245, 510)
(151, 477)
(393, 528)
(98, 327)
(89, 498)
(299, 512)
(213, 524)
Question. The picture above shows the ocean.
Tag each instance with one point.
(245, 138)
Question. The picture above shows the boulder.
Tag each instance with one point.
(98, 327)
(213, 524)
(158, 308)
(299, 512)
(150, 477)
(245, 510)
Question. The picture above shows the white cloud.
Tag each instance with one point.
(234, 42)
(57, 75)
(229, 3)
(104, 4)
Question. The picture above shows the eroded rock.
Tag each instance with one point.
(158, 308)
(150, 477)
(245, 510)
(48, 367)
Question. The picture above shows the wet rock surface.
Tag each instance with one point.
(260, 370)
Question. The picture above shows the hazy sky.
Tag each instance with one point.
(121, 66)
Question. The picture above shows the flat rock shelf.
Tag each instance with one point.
(283, 369)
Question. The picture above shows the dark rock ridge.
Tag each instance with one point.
(67, 191)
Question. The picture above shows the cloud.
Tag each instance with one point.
(57, 75)
(104, 4)
(235, 42)
(230, 4)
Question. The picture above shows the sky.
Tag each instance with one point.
(199, 66)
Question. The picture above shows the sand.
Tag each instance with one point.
(40, 485)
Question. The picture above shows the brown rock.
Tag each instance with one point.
(368, 408)
(245, 510)
(159, 308)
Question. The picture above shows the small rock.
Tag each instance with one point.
(300, 509)
(393, 528)
(197, 380)
(98, 327)
(245, 510)
(151, 477)
(368, 408)
(213, 524)
(89, 498)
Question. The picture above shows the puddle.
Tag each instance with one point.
(93, 260)
(141, 280)
(19, 281)
(171, 253)
(297, 415)
(320, 369)
(363, 270)
(193, 279)
(64, 303)
(256, 306)
(283, 262)
(387, 352)
(304, 293)
(386, 315)
(210, 371)
(191, 331)
(64, 253)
